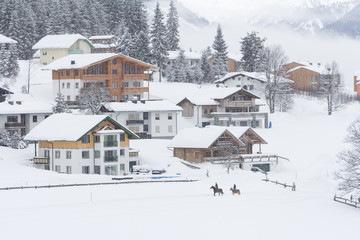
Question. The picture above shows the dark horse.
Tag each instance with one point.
(219, 190)
(236, 191)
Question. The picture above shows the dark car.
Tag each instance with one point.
(158, 171)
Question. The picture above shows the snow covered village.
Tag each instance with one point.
(179, 119)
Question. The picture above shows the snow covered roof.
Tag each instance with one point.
(253, 75)
(4, 39)
(188, 55)
(37, 54)
(198, 137)
(200, 101)
(99, 45)
(68, 127)
(83, 60)
(59, 41)
(148, 106)
(24, 104)
(101, 37)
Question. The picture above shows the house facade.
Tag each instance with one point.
(83, 144)
(191, 58)
(20, 113)
(103, 44)
(148, 119)
(357, 85)
(123, 76)
(53, 47)
(241, 107)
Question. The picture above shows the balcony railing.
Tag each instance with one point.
(135, 89)
(14, 125)
(111, 159)
(40, 160)
(136, 76)
(239, 104)
(133, 122)
(111, 144)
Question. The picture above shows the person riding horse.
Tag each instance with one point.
(216, 187)
(234, 187)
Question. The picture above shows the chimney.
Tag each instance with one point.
(72, 62)
(11, 102)
(18, 102)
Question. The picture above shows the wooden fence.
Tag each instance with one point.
(347, 201)
(293, 186)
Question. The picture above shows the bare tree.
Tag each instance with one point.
(330, 86)
(93, 97)
(277, 89)
(349, 175)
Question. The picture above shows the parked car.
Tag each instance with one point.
(158, 171)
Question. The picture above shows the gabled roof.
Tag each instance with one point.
(145, 106)
(246, 131)
(254, 75)
(231, 91)
(200, 101)
(101, 37)
(24, 104)
(5, 91)
(70, 127)
(4, 39)
(83, 60)
(60, 41)
(199, 137)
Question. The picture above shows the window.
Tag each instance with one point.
(97, 139)
(136, 84)
(97, 154)
(132, 69)
(67, 72)
(110, 141)
(211, 110)
(46, 153)
(122, 167)
(146, 128)
(77, 98)
(110, 156)
(68, 169)
(110, 170)
(57, 168)
(68, 154)
(243, 123)
(114, 61)
(77, 85)
(85, 169)
(115, 85)
(197, 155)
(157, 116)
(76, 72)
(85, 139)
(251, 87)
(68, 85)
(12, 119)
(314, 79)
(67, 98)
(57, 154)
(114, 72)
(170, 116)
(114, 98)
(145, 115)
(63, 85)
(127, 69)
(122, 152)
(44, 53)
(97, 169)
(122, 137)
(85, 154)
(62, 73)
(157, 129)
(205, 111)
(170, 130)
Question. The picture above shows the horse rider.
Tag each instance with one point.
(234, 187)
(216, 187)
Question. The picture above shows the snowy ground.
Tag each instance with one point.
(307, 136)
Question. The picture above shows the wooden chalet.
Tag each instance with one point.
(124, 76)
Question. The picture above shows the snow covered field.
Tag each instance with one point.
(307, 136)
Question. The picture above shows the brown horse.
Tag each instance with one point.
(219, 190)
(236, 191)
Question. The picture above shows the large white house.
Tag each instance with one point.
(148, 119)
(87, 144)
(21, 112)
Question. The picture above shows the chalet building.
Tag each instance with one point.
(357, 85)
(241, 107)
(53, 47)
(148, 119)
(124, 76)
(6, 42)
(103, 44)
(213, 143)
(307, 76)
(83, 144)
(20, 113)
(192, 58)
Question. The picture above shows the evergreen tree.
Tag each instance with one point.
(142, 47)
(158, 40)
(125, 43)
(180, 68)
(220, 54)
(252, 47)
(61, 106)
(172, 26)
(207, 73)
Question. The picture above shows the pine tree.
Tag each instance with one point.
(158, 40)
(142, 47)
(61, 106)
(207, 73)
(220, 54)
(252, 47)
(125, 43)
(172, 26)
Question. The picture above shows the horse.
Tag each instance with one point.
(236, 191)
(219, 190)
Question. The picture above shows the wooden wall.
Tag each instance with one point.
(188, 109)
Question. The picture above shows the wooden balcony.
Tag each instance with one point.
(135, 89)
(136, 76)
(239, 104)
(15, 125)
(39, 160)
(88, 77)
(134, 122)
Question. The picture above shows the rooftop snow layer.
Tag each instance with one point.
(148, 106)
(188, 55)
(64, 127)
(101, 37)
(59, 41)
(4, 39)
(23, 103)
(254, 75)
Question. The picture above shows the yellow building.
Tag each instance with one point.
(52, 47)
